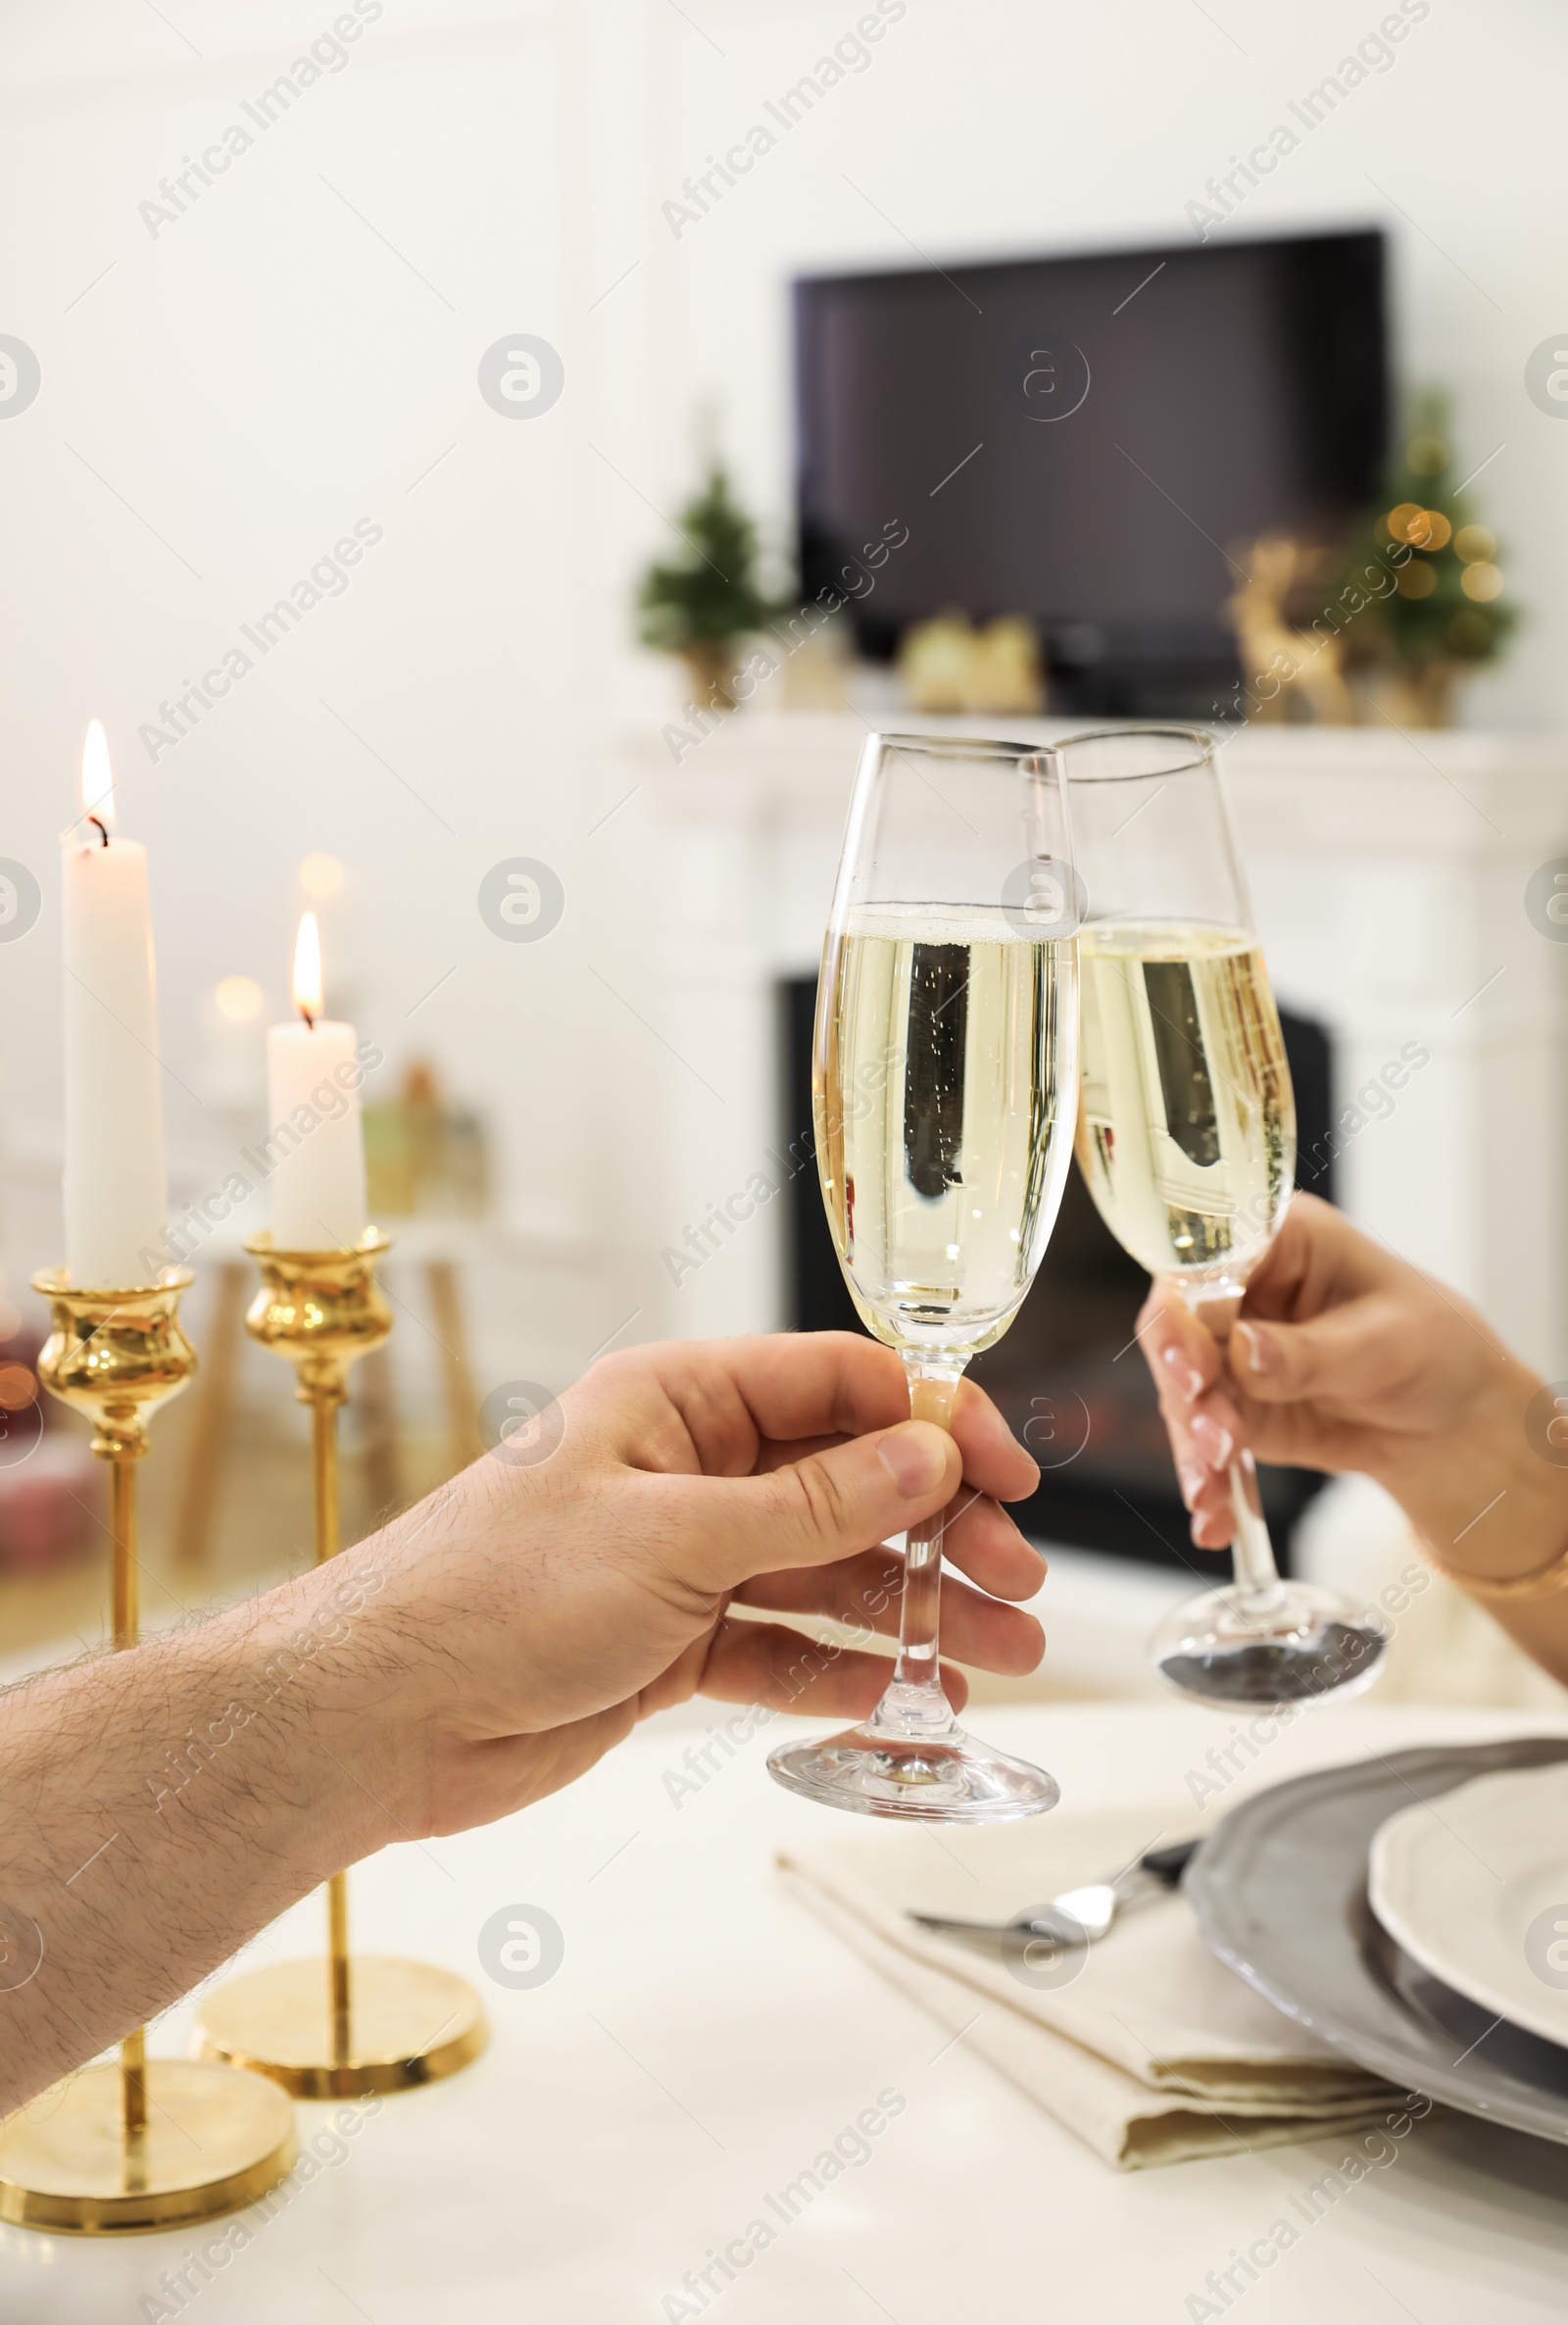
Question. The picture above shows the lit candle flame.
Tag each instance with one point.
(97, 781)
(308, 970)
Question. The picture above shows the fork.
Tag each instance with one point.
(1078, 1916)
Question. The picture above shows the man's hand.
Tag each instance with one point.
(163, 1804)
(550, 1606)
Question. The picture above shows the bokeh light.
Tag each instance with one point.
(17, 1388)
(1428, 528)
(1475, 544)
(322, 876)
(239, 1000)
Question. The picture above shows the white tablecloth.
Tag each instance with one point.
(706, 2039)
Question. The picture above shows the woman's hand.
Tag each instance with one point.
(552, 1603)
(1344, 1357)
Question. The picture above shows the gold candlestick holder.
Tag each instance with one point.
(146, 2143)
(355, 2022)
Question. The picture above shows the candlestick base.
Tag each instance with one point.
(407, 2023)
(214, 2139)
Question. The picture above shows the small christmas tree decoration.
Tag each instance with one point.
(1443, 613)
(704, 606)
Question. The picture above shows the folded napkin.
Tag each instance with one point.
(1151, 2050)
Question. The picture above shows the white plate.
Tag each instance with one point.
(1475, 1888)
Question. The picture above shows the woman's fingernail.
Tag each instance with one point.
(1213, 1440)
(1262, 1349)
(914, 1454)
(1182, 1371)
(1191, 1483)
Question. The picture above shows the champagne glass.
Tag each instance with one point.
(944, 1086)
(1187, 1139)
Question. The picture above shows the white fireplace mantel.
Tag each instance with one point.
(1389, 874)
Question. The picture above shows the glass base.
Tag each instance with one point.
(945, 1778)
(1295, 1645)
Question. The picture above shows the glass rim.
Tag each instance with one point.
(960, 746)
(1196, 738)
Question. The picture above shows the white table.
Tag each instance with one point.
(706, 2037)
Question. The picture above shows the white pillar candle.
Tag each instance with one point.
(313, 1078)
(116, 1191)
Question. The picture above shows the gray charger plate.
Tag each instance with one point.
(1279, 1888)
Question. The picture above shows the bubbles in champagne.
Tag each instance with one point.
(942, 1092)
(1187, 1121)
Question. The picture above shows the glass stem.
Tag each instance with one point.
(915, 1700)
(1257, 1577)
(1216, 1303)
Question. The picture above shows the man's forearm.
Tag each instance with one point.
(158, 1807)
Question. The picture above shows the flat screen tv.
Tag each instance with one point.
(1090, 442)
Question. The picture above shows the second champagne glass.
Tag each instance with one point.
(1187, 1139)
(943, 1085)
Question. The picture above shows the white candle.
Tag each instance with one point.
(313, 1078)
(116, 1191)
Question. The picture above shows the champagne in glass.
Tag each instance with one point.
(1187, 1141)
(938, 1109)
(1187, 1123)
(944, 1087)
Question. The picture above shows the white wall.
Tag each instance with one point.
(232, 395)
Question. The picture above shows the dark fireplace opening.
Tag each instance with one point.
(1067, 1374)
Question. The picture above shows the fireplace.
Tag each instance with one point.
(1067, 1375)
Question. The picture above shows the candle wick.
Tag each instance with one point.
(309, 1022)
(101, 828)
